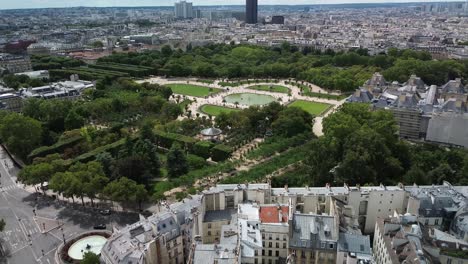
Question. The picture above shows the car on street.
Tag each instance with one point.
(105, 212)
(100, 226)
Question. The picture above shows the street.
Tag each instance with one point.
(37, 225)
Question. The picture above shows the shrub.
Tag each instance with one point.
(165, 139)
(195, 162)
(203, 149)
(56, 148)
(220, 152)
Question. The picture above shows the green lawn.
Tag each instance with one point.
(274, 88)
(192, 90)
(311, 107)
(215, 110)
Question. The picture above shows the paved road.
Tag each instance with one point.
(25, 239)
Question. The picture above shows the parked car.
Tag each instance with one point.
(105, 212)
(100, 226)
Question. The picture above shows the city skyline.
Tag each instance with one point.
(134, 3)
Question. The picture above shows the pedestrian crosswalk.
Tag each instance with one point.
(8, 188)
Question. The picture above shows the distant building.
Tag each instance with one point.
(68, 90)
(279, 20)
(11, 102)
(251, 12)
(183, 9)
(14, 63)
(42, 74)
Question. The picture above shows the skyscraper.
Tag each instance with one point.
(183, 9)
(251, 12)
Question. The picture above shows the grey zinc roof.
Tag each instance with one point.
(354, 243)
(449, 128)
(218, 215)
(310, 230)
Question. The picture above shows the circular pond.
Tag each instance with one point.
(92, 243)
(249, 99)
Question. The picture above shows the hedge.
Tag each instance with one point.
(221, 152)
(203, 149)
(56, 148)
(165, 139)
(112, 148)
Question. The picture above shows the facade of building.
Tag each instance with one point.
(251, 12)
(183, 9)
(14, 63)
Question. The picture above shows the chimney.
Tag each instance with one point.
(280, 215)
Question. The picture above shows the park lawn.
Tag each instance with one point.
(215, 110)
(313, 108)
(275, 88)
(192, 90)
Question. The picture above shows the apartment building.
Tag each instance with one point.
(14, 63)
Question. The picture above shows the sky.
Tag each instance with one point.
(9, 4)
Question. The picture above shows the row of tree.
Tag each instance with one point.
(333, 70)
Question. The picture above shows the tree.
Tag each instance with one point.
(74, 120)
(36, 174)
(90, 258)
(21, 134)
(177, 164)
(292, 121)
(98, 44)
(126, 190)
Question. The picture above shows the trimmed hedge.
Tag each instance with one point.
(166, 140)
(221, 152)
(56, 148)
(203, 149)
(112, 148)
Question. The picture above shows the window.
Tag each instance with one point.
(209, 225)
(270, 236)
(284, 245)
(270, 244)
(270, 261)
(277, 245)
(277, 253)
(209, 233)
(263, 252)
(263, 235)
(426, 222)
(269, 253)
(436, 222)
(331, 246)
(256, 261)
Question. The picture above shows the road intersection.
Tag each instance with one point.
(36, 224)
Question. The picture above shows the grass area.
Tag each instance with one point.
(270, 88)
(313, 108)
(307, 92)
(205, 81)
(192, 90)
(215, 110)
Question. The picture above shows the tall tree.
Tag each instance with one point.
(21, 134)
(176, 161)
